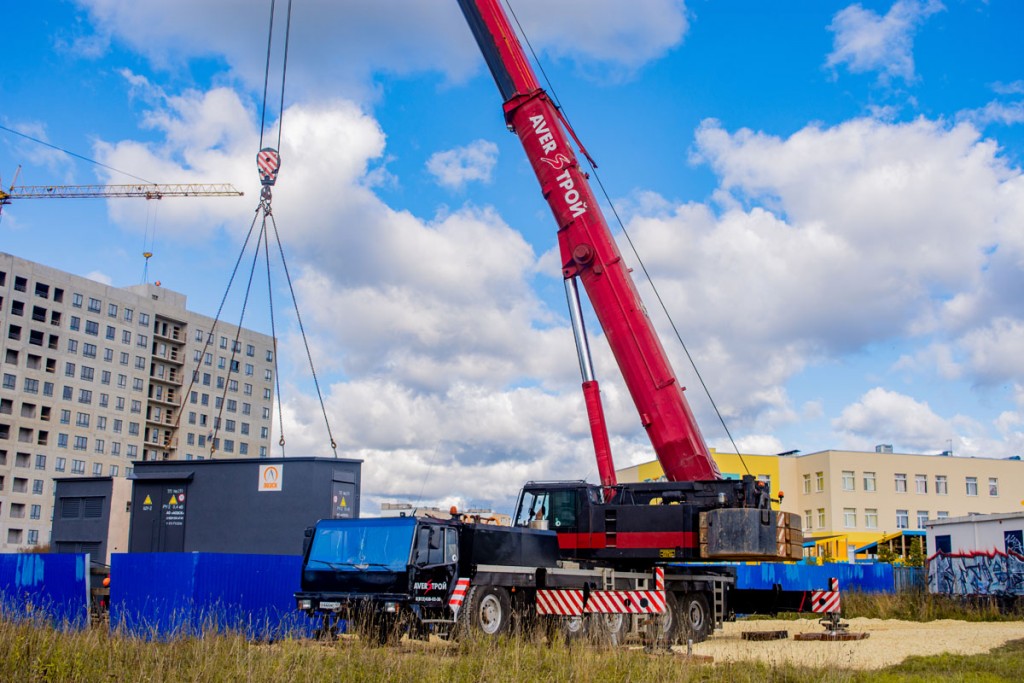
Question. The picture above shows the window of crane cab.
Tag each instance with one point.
(431, 545)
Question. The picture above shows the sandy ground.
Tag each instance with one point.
(890, 642)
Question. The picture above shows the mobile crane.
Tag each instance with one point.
(579, 556)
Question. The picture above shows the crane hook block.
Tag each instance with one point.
(268, 162)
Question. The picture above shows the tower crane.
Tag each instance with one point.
(143, 190)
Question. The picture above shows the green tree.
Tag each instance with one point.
(915, 554)
(887, 554)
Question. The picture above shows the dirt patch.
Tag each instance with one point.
(890, 642)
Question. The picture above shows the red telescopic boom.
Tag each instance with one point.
(589, 251)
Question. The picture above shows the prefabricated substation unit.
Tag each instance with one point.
(253, 506)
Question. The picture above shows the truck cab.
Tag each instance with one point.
(385, 575)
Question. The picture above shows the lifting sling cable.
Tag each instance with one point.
(236, 342)
(268, 165)
(305, 341)
(216, 319)
(622, 227)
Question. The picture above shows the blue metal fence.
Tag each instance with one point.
(869, 578)
(158, 595)
(53, 587)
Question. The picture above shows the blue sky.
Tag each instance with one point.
(828, 195)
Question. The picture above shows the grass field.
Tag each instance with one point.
(38, 652)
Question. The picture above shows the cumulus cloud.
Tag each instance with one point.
(454, 168)
(831, 241)
(1004, 113)
(911, 425)
(866, 41)
(337, 47)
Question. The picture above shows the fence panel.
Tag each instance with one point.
(869, 578)
(160, 595)
(54, 587)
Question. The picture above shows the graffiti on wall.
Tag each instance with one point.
(994, 572)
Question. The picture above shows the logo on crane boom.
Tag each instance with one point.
(573, 198)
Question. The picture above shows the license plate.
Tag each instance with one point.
(329, 604)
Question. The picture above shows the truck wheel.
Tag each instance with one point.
(694, 617)
(565, 629)
(487, 611)
(664, 628)
(608, 629)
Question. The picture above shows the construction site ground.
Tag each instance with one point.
(890, 641)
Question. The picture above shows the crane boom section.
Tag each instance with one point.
(147, 191)
(589, 252)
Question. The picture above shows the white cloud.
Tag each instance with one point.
(995, 351)
(866, 41)
(335, 48)
(100, 277)
(454, 168)
(1005, 113)
(884, 416)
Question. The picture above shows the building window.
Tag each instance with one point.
(808, 515)
(941, 485)
(922, 517)
(62, 441)
(33, 537)
(92, 328)
(112, 310)
(243, 448)
(40, 462)
(132, 451)
(77, 467)
(36, 511)
(850, 518)
(115, 448)
(89, 350)
(114, 470)
(250, 350)
(871, 518)
(75, 323)
(993, 486)
(819, 477)
(921, 483)
(100, 446)
(199, 335)
(902, 519)
(37, 487)
(869, 481)
(60, 464)
(972, 486)
(94, 305)
(81, 443)
(143, 318)
(268, 375)
(270, 356)
(847, 480)
(821, 518)
(10, 381)
(128, 315)
(942, 514)
(126, 336)
(901, 485)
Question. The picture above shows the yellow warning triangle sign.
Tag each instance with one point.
(344, 503)
(148, 501)
(174, 499)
